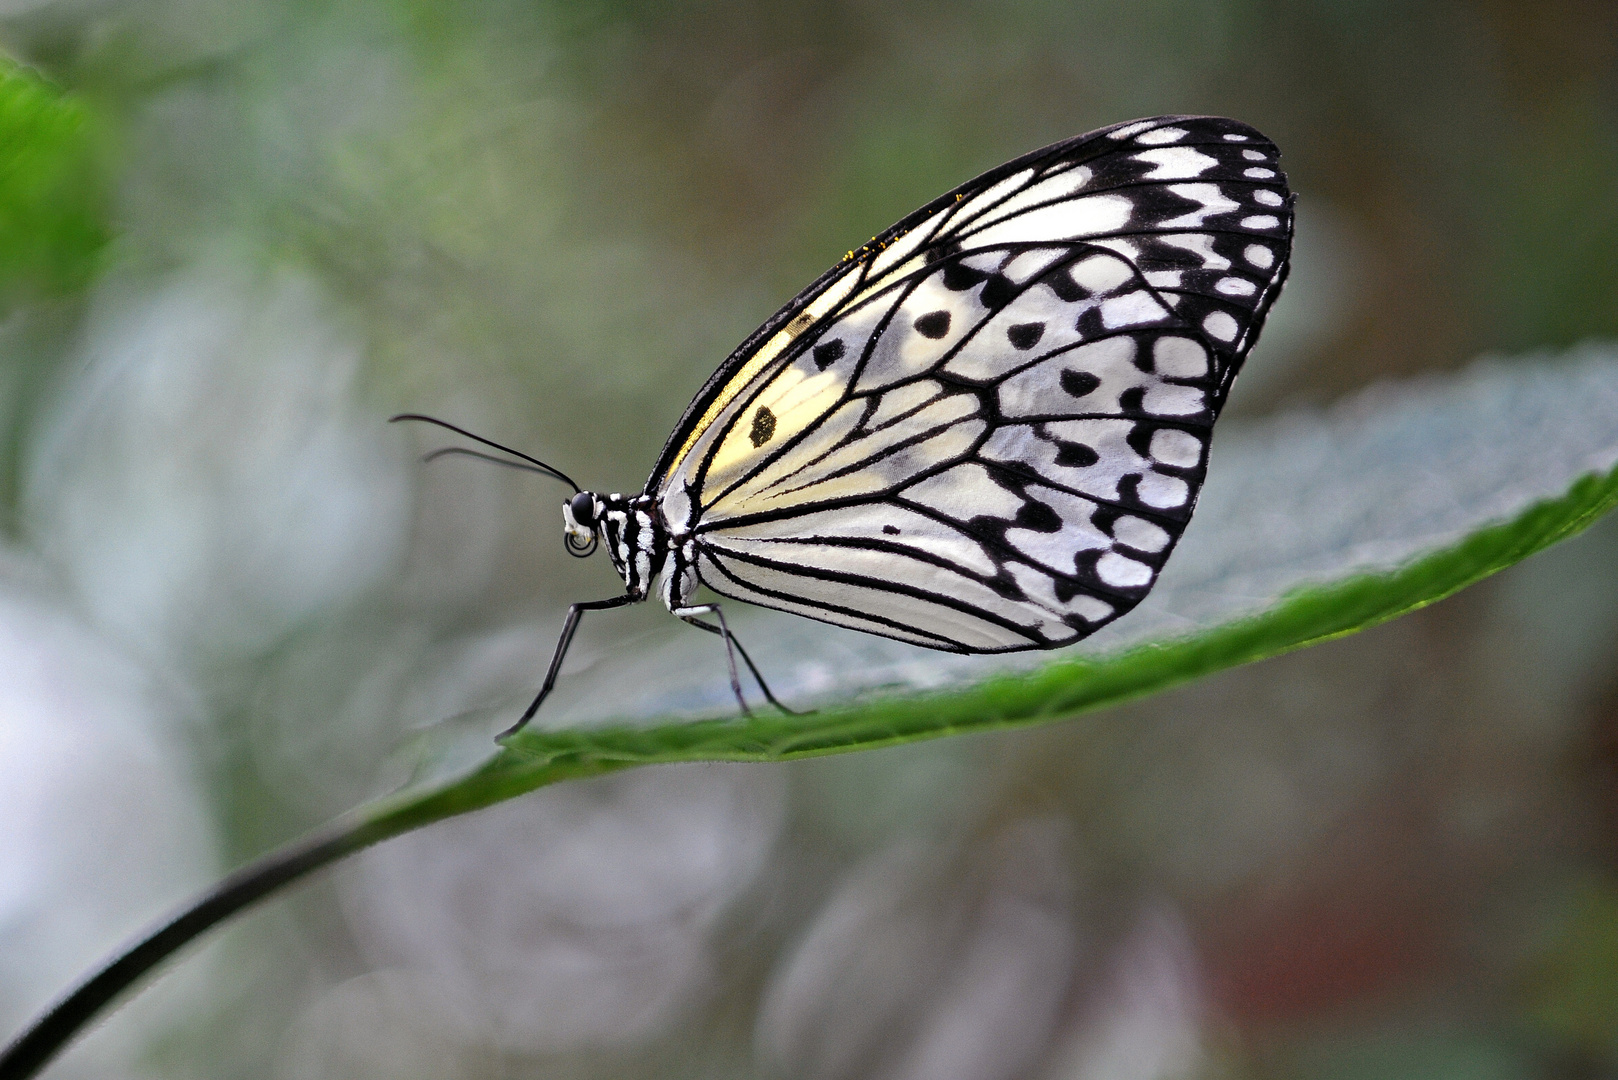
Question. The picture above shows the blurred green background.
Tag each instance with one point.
(229, 595)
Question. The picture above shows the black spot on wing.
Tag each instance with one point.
(763, 426)
(1037, 516)
(1139, 439)
(1066, 289)
(1025, 335)
(934, 324)
(958, 277)
(1066, 588)
(997, 292)
(1079, 383)
(1089, 324)
(828, 353)
(1073, 455)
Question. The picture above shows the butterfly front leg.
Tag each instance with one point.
(732, 647)
(574, 614)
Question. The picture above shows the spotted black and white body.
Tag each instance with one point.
(985, 430)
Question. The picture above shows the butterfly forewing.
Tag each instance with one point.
(986, 430)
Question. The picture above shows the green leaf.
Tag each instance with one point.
(1312, 526)
(53, 219)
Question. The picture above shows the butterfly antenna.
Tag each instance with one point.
(534, 464)
(447, 451)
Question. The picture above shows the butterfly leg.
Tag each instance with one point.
(731, 641)
(689, 615)
(574, 614)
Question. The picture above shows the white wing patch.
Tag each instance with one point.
(987, 431)
(1072, 219)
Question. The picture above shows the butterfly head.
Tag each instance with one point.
(581, 519)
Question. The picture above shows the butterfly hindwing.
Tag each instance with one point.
(987, 429)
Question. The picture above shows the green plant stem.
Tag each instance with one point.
(46, 1037)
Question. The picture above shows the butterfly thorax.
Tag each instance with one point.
(629, 527)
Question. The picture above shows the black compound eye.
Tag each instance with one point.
(583, 506)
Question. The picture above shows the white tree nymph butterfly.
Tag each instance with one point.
(983, 431)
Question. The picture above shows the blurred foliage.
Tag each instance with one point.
(53, 193)
(1572, 992)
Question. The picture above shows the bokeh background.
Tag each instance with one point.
(230, 598)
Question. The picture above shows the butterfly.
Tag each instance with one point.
(984, 430)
